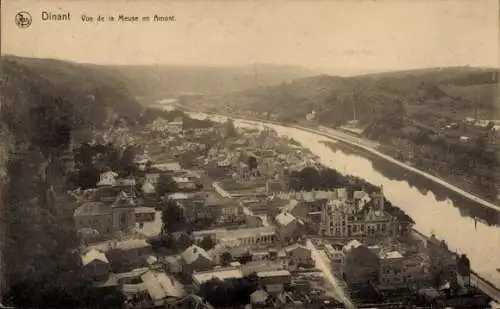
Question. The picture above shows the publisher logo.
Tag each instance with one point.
(23, 19)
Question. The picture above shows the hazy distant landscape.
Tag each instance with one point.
(438, 119)
(450, 92)
(417, 115)
(49, 104)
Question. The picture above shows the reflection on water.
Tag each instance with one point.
(440, 211)
(424, 185)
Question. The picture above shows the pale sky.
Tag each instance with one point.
(332, 36)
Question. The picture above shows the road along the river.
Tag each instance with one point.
(444, 218)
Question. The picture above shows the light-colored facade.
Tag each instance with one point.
(334, 253)
(226, 273)
(288, 227)
(252, 236)
(225, 210)
(299, 254)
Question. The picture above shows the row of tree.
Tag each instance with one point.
(311, 178)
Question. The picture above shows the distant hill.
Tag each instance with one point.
(37, 92)
(176, 80)
(446, 92)
(417, 116)
(159, 81)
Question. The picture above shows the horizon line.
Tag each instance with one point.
(342, 72)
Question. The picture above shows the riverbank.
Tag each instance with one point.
(487, 285)
(460, 181)
(466, 207)
(478, 240)
(365, 145)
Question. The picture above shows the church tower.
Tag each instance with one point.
(378, 199)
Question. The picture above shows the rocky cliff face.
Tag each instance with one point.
(46, 108)
(5, 142)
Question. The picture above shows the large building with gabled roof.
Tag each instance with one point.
(107, 219)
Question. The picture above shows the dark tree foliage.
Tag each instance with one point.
(226, 258)
(52, 120)
(187, 159)
(172, 217)
(310, 178)
(207, 243)
(463, 265)
(245, 258)
(191, 123)
(45, 109)
(107, 299)
(166, 185)
(125, 164)
(87, 177)
(177, 243)
(30, 294)
(40, 248)
(252, 163)
(398, 213)
(230, 129)
(92, 160)
(151, 114)
(228, 293)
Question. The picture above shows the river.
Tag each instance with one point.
(466, 226)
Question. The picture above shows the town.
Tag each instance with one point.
(214, 216)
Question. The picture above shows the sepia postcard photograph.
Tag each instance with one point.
(250, 154)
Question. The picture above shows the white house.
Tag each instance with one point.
(107, 179)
